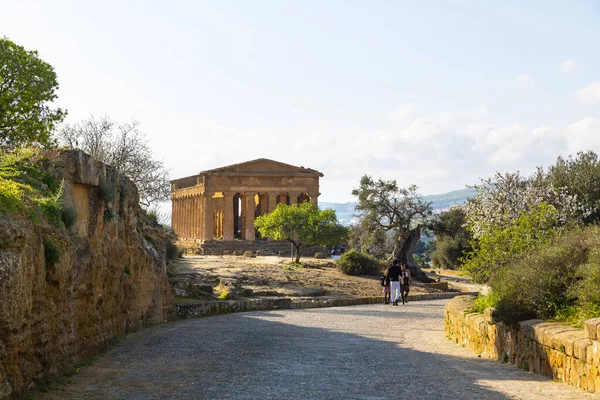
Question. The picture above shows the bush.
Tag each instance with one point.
(106, 191)
(321, 255)
(549, 281)
(354, 262)
(109, 214)
(448, 252)
(173, 251)
(51, 253)
(68, 216)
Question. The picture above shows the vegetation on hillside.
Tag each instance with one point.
(535, 241)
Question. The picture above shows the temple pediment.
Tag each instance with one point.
(263, 166)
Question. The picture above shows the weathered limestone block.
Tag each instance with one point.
(591, 328)
(580, 348)
(563, 341)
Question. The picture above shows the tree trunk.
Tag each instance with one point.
(297, 248)
(404, 253)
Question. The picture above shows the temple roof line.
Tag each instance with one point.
(232, 167)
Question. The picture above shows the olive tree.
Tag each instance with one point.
(399, 211)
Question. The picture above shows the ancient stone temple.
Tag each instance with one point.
(222, 203)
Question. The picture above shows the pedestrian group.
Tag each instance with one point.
(396, 283)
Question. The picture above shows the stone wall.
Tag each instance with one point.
(558, 351)
(203, 309)
(110, 278)
(218, 247)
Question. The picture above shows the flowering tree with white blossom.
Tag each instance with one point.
(510, 214)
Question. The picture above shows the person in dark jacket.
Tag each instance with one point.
(393, 274)
(405, 282)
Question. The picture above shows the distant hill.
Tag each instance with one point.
(345, 211)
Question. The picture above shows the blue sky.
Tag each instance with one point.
(437, 94)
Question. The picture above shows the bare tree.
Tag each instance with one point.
(125, 148)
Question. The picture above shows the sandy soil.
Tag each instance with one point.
(277, 276)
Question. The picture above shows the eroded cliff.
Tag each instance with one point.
(68, 293)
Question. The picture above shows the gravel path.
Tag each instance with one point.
(359, 352)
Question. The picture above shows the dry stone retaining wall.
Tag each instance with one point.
(224, 307)
(561, 352)
(220, 247)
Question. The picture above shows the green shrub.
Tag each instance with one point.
(106, 191)
(556, 280)
(354, 262)
(153, 215)
(321, 255)
(68, 216)
(501, 247)
(51, 253)
(173, 251)
(109, 214)
(482, 302)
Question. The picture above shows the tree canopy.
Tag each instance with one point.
(124, 147)
(383, 205)
(27, 86)
(303, 225)
(452, 239)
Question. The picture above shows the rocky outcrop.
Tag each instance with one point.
(109, 279)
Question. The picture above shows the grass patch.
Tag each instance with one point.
(482, 302)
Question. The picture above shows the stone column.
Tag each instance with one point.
(250, 208)
(228, 216)
(195, 217)
(314, 198)
(294, 198)
(188, 216)
(272, 201)
(208, 220)
(200, 217)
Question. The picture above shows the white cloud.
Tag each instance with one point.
(589, 94)
(523, 80)
(584, 135)
(404, 112)
(568, 66)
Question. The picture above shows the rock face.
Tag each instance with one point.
(110, 278)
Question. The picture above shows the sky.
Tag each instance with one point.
(434, 93)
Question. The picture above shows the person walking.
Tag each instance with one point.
(405, 282)
(393, 274)
(385, 283)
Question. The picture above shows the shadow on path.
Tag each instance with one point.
(333, 353)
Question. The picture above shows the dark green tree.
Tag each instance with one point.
(303, 225)
(27, 86)
(452, 238)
